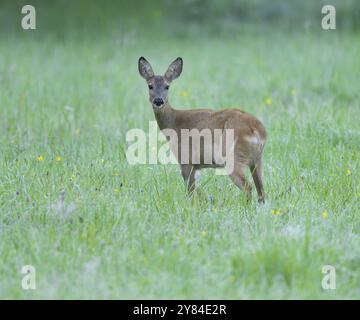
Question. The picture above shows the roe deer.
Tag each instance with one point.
(248, 132)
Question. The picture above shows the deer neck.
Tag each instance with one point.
(165, 116)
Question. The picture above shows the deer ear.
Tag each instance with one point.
(174, 69)
(145, 69)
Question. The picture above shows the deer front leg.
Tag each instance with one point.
(188, 173)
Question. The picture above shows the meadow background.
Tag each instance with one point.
(95, 227)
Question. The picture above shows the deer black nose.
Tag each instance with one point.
(158, 101)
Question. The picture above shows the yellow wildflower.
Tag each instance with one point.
(348, 172)
(58, 159)
(268, 101)
(184, 94)
(40, 158)
(275, 212)
(325, 214)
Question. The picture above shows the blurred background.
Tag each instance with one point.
(180, 18)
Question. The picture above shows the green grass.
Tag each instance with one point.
(129, 231)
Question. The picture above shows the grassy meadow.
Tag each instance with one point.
(96, 227)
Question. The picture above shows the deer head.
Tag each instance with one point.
(159, 85)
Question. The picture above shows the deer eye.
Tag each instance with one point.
(166, 87)
(150, 87)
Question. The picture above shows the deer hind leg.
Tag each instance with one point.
(238, 177)
(188, 173)
(256, 171)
